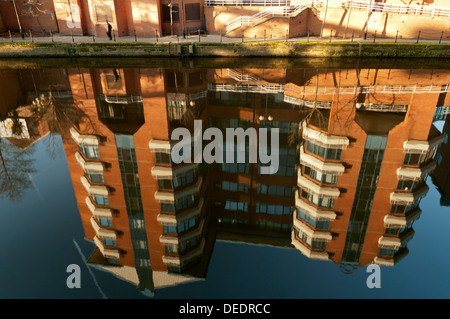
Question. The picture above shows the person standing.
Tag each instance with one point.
(109, 30)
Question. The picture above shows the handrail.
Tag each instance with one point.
(276, 9)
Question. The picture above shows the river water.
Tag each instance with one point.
(87, 179)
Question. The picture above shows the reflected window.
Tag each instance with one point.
(109, 242)
(325, 153)
(323, 201)
(262, 208)
(163, 158)
(323, 224)
(105, 221)
(100, 199)
(95, 176)
(234, 187)
(319, 176)
(314, 244)
(89, 151)
(236, 206)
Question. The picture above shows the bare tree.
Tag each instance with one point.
(15, 166)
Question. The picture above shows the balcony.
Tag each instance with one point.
(313, 211)
(177, 218)
(382, 261)
(408, 198)
(402, 221)
(416, 173)
(311, 233)
(183, 259)
(94, 189)
(106, 252)
(96, 211)
(160, 172)
(102, 232)
(176, 240)
(320, 191)
(318, 165)
(323, 139)
(83, 138)
(88, 165)
(416, 146)
(321, 255)
(172, 197)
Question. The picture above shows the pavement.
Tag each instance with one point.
(210, 38)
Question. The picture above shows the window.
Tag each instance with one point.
(325, 153)
(180, 227)
(89, 151)
(387, 251)
(418, 158)
(112, 111)
(236, 206)
(141, 244)
(409, 184)
(402, 209)
(314, 244)
(311, 221)
(319, 176)
(192, 11)
(105, 221)
(274, 190)
(163, 158)
(178, 181)
(103, 13)
(95, 176)
(113, 81)
(324, 201)
(180, 204)
(234, 187)
(100, 199)
(144, 262)
(166, 13)
(273, 209)
(109, 242)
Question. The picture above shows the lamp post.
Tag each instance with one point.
(170, 5)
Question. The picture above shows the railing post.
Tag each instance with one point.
(51, 35)
(375, 36)
(353, 35)
(114, 35)
(440, 39)
(10, 36)
(264, 35)
(93, 37)
(135, 36)
(418, 37)
(242, 34)
(31, 36)
(156, 35)
(220, 36)
(198, 35)
(307, 38)
(71, 34)
(287, 35)
(396, 37)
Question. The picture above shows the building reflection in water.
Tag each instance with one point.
(356, 148)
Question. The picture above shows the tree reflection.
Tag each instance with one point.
(59, 115)
(15, 166)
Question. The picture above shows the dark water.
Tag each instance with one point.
(374, 133)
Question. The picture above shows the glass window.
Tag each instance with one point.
(89, 151)
(192, 11)
(105, 221)
(100, 199)
(109, 242)
(95, 176)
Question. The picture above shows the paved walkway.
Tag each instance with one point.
(203, 38)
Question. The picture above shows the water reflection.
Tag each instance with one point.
(356, 145)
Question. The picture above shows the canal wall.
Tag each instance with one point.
(246, 49)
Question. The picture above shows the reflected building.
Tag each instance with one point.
(366, 153)
(356, 147)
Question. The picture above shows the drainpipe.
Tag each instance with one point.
(18, 20)
(324, 17)
(349, 15)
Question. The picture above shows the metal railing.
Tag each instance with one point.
(121, 99)
(292, 8)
